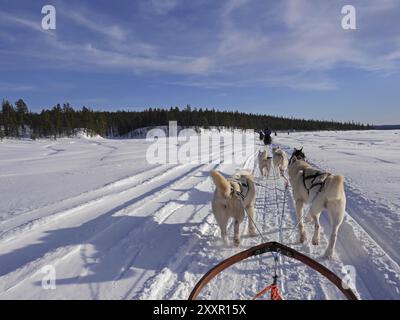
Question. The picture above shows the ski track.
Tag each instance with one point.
(152, 235)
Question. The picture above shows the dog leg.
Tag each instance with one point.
(299, 211)
(222, 221)
(316, 236)
(336, 211)
(236, 236)
(251, 226)
(224, 236)
(332, 242)
(278, 172)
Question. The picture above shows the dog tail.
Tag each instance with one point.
(223, 185)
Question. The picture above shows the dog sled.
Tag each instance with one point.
(274, 248)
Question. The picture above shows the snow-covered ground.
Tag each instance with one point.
(115, 227)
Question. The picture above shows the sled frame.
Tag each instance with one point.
(280, 249)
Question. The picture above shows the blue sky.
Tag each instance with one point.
(288, 57)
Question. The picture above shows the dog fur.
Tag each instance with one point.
(331, 198)
(280, 161)
(264, 163)
(226, 205)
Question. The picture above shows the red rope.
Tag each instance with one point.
(275, 295)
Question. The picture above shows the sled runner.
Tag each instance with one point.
(273, 247)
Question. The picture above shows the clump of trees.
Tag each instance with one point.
(65, 121)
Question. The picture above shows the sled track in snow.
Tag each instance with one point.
(141, 199)
(155, 218)
(167, 284)
(76, 204)
(86, 200)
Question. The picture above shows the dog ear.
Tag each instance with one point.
(301, 149)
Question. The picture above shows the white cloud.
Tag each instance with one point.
(15, 87)
(306, 39)
(171, 64)
(163, 6)
(90, 55)
(113, 31)
(290, 43)
(299, 81)
(22, 22)
(232, 5)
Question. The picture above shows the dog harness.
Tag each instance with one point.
(244, 188)
(317, 179)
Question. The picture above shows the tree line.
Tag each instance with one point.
(65, 121)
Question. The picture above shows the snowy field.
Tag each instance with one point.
(115, 227)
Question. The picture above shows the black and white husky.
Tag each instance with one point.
(322, 191)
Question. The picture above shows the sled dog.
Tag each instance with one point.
(264, 163)
(280, 161)
(230, 196)
(322, 191)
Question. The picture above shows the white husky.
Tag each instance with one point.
(264, 163)
(230, 196)
(280, 161)
(325, 191)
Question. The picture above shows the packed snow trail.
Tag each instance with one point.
(103, 231)
(115, 227)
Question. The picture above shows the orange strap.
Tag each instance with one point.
(275, 295)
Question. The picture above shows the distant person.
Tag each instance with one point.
(267, 136)
(261, 133)
(275, 134)
(267, 132)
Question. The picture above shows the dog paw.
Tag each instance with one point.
(236, 242)
(303, 238)
(315, 241)
(252, 233)
(329, 255)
